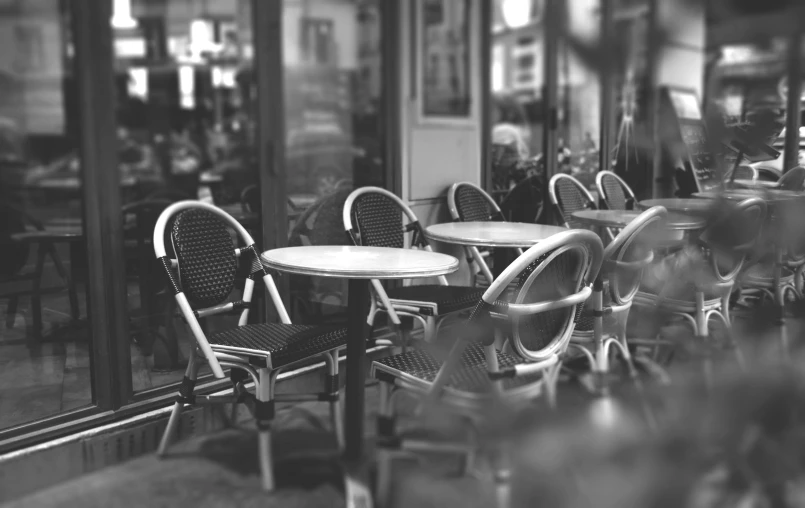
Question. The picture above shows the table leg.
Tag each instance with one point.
(356, 368)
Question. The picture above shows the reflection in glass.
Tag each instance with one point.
(333, 92)
(579, 93)
(185, 91)
(517, 49)
(44, 335)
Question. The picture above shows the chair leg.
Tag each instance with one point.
(385, 432)
(332, 387)
(185, 395)
(702, 334)
(71, 290)
(264, 414)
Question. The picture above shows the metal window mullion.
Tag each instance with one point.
(607, 80)
(793, 102)
(269, 81)
(103, 227)
(485, 19)
(553, 16)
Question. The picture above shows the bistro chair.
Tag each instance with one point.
(469, 203)
(202, 278)
(614, 191)
(724, 246)
(793, 179)
(568, 195)
(602, 326)
(552, 283)
(743, 173)
(373, 216)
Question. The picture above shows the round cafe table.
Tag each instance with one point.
(680, 205)
(359, 265)
(771, 196)
(620, 218)
(490, 234)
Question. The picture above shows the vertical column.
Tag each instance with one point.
(793, 105)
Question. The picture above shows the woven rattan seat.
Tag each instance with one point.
(472, 377)
(435, 299)
(281, 343)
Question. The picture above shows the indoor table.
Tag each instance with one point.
(491, 234)
(359, 265)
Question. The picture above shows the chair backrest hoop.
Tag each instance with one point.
(454, 204)
(792, 179)
(349, 204)
(618, 248)
(590, 249)
(741, 209)
(601, 184)
(563, 179)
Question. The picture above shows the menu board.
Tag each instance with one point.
(687, 117)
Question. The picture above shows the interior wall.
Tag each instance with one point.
(437, 152)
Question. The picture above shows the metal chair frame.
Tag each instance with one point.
(380, 302)
(596, 345)
(627, 191)
(473, 253)
(471, 405)
(246, 365)
(700, 311)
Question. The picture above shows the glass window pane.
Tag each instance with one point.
(517, 64)
(333, 92)
(579, 92)
(44, 336)
(185, 88)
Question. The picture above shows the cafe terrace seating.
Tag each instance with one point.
(374, 217)
(202, 278)
(552, 281)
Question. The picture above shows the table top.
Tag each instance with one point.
(769, 195)
(755, 183)
(685, 205)
(620, 218)
(492, 233)
(357, 262)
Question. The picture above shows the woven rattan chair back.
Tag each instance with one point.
(569, 195)
(746, 173)
(374, 217)
(630, 253)
(793, 179)
(206, 257)
(614, 191)
(551, 282)
(203, 238)
(732, 235)
(468, 202)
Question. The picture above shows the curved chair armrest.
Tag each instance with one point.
(525, 309)
(525, 369)
(629, 265)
